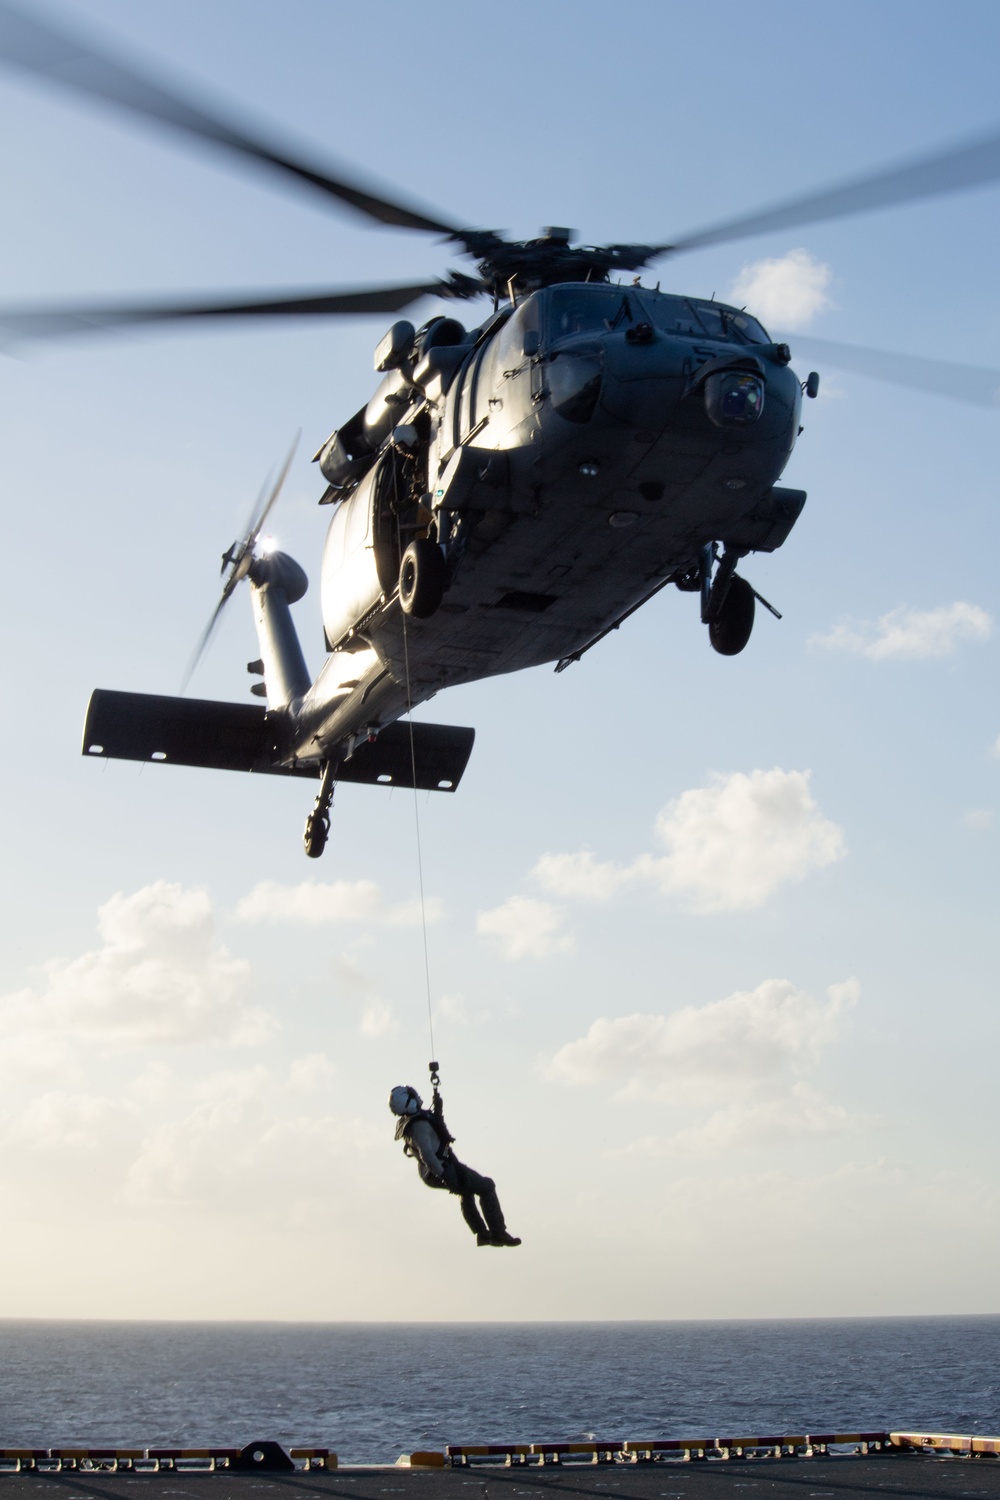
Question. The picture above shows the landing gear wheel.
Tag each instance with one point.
(422, 577)
(316, 834)
(730, 632)
(318, 822)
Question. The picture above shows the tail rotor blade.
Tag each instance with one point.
(257, 526)
(206, 636)
(257, 509)
(240, 557)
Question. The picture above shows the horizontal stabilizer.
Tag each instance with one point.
(239, 737)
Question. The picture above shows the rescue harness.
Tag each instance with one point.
(434, 1117)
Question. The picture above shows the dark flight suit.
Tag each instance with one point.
(440, 1168)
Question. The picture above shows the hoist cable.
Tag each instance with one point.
(413, 765)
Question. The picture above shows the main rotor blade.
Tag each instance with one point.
(55, 53)
(965, 166)
(936, 377)
(56, 322)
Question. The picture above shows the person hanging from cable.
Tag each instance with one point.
(427, 1139)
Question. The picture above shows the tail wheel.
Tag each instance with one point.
(316, 834)
(731, 631)
(422, 578)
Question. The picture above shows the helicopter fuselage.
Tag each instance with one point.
(569, 458)
(505, 499)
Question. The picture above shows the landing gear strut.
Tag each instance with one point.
(727, 601)
(318, 822)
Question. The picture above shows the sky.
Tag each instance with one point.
(712, 941)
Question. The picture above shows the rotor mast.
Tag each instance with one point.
(521, 266)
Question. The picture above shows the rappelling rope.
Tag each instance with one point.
(413, 772)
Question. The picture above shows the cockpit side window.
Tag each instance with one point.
(751, 330)
(711, 319)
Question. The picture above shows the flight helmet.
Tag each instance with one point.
(404, 1100)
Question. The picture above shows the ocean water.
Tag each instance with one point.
(374, 1391)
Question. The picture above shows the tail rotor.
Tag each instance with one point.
(239, 557)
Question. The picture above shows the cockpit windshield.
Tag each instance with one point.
(588, 309)
(584, 308)
(694, 318)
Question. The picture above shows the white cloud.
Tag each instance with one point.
(457, 1010)
(377, 1018)
(244, 1142)
(789, 290)
(452, 1008)
(730, 845)
(68, 1147)
(307, 1074)
(154, 1084)
(754, 1039)
(579, 876)
(996, 746)
(232, 1148)
(316, 904)
(65, 1124)
(525, 928)
(352, 977)
(159, 978)
(907, 634)
(979, 819)
(800, 1114)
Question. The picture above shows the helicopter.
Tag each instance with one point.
(512, 491)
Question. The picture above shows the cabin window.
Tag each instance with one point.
(509, 343)
(357, 523)
(349, 528)
(502, 356)
(465, 406)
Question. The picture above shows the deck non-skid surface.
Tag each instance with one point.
(924, 1478)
